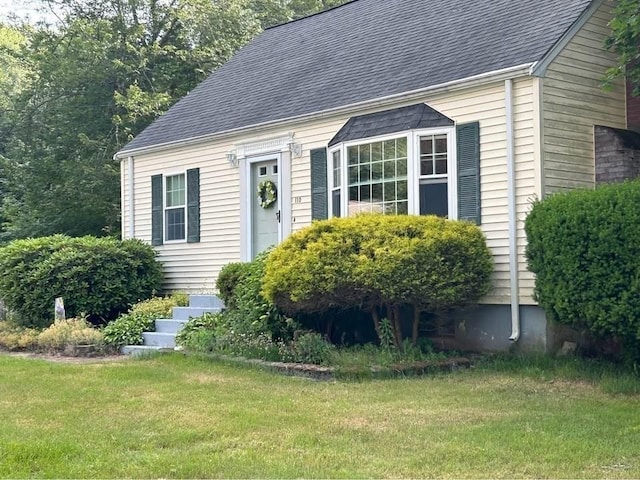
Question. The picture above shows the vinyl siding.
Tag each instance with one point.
(574, 101)
(194, 267)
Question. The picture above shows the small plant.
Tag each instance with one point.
(311, 347)
(195, 327)
(64, 335)
(127, 329)
(14, 337)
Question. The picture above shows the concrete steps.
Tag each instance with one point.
(166, 329)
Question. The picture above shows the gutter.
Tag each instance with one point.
(513, 220)
(131, 197)
(476, 80)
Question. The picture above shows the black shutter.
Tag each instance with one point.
(469, 172)
(319, 197)
(156, 210)
(193, 205)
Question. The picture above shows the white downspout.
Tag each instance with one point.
(513, 220)
(132, 229)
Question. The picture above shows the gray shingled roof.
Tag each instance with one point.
(390, 121)
(360, 51)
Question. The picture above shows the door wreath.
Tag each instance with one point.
(267, 193)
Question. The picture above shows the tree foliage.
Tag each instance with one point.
(624, 40)
(74, 94)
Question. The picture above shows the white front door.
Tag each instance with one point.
(265, 221)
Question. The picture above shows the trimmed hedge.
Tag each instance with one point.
(427, 263)
(98, 277)
(584, 247)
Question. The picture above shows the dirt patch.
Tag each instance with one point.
(66, 359)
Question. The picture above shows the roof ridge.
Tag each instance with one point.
(311, 15)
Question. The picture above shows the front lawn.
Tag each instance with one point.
(176, 416)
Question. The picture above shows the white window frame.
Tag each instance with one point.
(165, 208)
(413, 168)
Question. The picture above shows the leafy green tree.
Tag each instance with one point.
(624, 40)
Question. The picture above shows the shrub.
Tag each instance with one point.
(127, 328)
(13, 337)
(195, 326)
(426, 263)
(583, 247)
(65, 334)
(229, 278)
(99, 277)
(311, 347)
(252, 313)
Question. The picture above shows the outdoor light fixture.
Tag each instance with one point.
(232, 158)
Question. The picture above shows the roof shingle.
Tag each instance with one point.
(363, 50)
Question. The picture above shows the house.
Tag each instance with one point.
(464, 108)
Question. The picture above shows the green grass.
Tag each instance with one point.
(176, 416)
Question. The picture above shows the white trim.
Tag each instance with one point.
(413, 168)
(246, 211)
(281, 143)
(539, 69)
(473, 81)
(123, 227)
(513, 220)
(132, 231)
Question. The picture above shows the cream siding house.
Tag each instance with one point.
(508, 91)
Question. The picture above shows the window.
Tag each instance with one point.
(175, 207)
(434, 167)
(409, 173)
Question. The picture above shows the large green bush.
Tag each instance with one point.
(426, 263)
(584, 247)
(99, 277)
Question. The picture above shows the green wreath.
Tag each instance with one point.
(267, 193)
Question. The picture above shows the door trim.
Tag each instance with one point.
(246, 200)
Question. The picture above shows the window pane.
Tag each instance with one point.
(335, 210)
(376, 151)
(376, 171)
(402, 190)
(403, 208)
(175, 194)
(389, 170)
(175, 224)
(365, 193)
(402, 168)
(402, 147)
(441, 164)
(426, 167)
(441, 144)
(352, 155)
(365, 153)
(376, 192)
(353, 194)
(426, 146)
(389, 149)
(434, 199)
(390, 191)
(365, 173)
(353, 175)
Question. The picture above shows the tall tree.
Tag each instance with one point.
(107, 71)
(624, 40)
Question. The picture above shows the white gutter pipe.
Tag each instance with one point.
(132, 229)
(513, 220)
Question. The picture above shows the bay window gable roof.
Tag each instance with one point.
(391, 121)
(360, 52)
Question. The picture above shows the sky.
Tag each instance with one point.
(23, 9)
